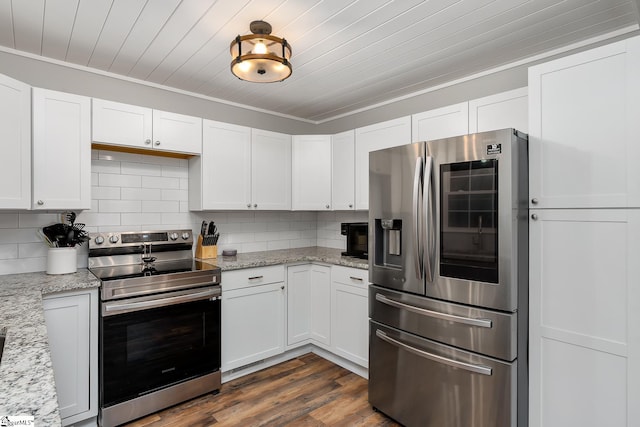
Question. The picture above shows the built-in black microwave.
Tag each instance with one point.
(357, 238)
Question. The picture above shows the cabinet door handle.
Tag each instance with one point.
(534, 201)
(355, 278)
(534, 217)
(327, 206)
(40, 202)
(478, 369)
(282, 287)
(256, 277)
(249, 205)
(147, 141)
(157, 143)
(350, 205)
(255, 205)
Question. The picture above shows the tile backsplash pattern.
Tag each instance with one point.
(142, 192)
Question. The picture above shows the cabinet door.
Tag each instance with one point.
(584, 127)
(72, 332)
(309, 304)
(311, 172)
(15, 144)
(376, 137)
(61, 150)
(350, 323)
(584, 320)
(221, 177)
(121, 124)
(452, 120)
(253, 324)
(270, 170)
(343, 182)
(177, 132)
(500, 111)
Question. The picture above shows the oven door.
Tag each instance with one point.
(150, 343)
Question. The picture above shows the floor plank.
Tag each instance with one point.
(308, 391)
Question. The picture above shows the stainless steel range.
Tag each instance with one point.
(159, 323)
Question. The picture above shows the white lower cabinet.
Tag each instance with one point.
(584, 342)
(309, 304)
(72, 331)
(350, 314)
(253, 315)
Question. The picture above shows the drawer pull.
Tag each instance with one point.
(483, 323)
(355, 278)
(256, 277)
(484, 370)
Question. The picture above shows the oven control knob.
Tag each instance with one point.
(113, 239)
(99, 240)
(185, 236)
(173, 236)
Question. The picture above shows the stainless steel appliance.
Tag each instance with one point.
(159, 324)
(449, 270)
(357, 239)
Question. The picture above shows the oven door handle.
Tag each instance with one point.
(482, 323)
(118, 307)
(478, 369)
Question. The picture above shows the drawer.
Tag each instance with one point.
(350, 276)
(238, 279)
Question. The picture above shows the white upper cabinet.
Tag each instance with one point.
(452, 120)
(221, 177)
(61, 150)
(502, 110)
(270, 170)
(584, 112)
(343, 179)
(376, 137)
(15, 144)
(311, 172)
(132, 126)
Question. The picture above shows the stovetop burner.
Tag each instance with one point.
(120, 272)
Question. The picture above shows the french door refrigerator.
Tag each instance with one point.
(448, 263)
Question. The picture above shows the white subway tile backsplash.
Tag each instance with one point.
(179, 195)
(9, 251)
(140, 218)
(120, 206)
(145, 169)
(160, 182)
(9, 220)
(117, 156)
(184, 183)
(160, 206)
(105, 193)
(32, 250)
(141, 193)
(105, 166)
(247, 247)
(278, 244)
(98, 219)
(113, 180)
(37, 220)
(180, 219)
(175, 172)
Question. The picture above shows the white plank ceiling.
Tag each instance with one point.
(347, 54)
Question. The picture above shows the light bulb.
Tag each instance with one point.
(260, 48)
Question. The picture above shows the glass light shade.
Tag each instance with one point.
(260, 58)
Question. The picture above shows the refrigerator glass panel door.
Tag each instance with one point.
(469, 220)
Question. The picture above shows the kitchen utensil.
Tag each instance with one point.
(203, 228)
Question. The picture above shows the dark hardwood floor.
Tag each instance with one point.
(306, 391)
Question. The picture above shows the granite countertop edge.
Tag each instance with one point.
(26, 373)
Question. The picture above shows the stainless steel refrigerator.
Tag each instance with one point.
(448, 263)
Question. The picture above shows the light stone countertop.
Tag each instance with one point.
(286, 256)
(27, 385)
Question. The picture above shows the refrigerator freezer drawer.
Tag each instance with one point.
(488, 332)
(419, 382)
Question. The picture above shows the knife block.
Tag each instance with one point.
(205, 252)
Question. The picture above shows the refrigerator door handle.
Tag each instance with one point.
(417, 241)
(478, 369)
(482, 323)
(428, 241)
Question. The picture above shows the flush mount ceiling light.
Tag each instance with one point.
(260, 57)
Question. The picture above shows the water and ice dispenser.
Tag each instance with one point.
(388, 238)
